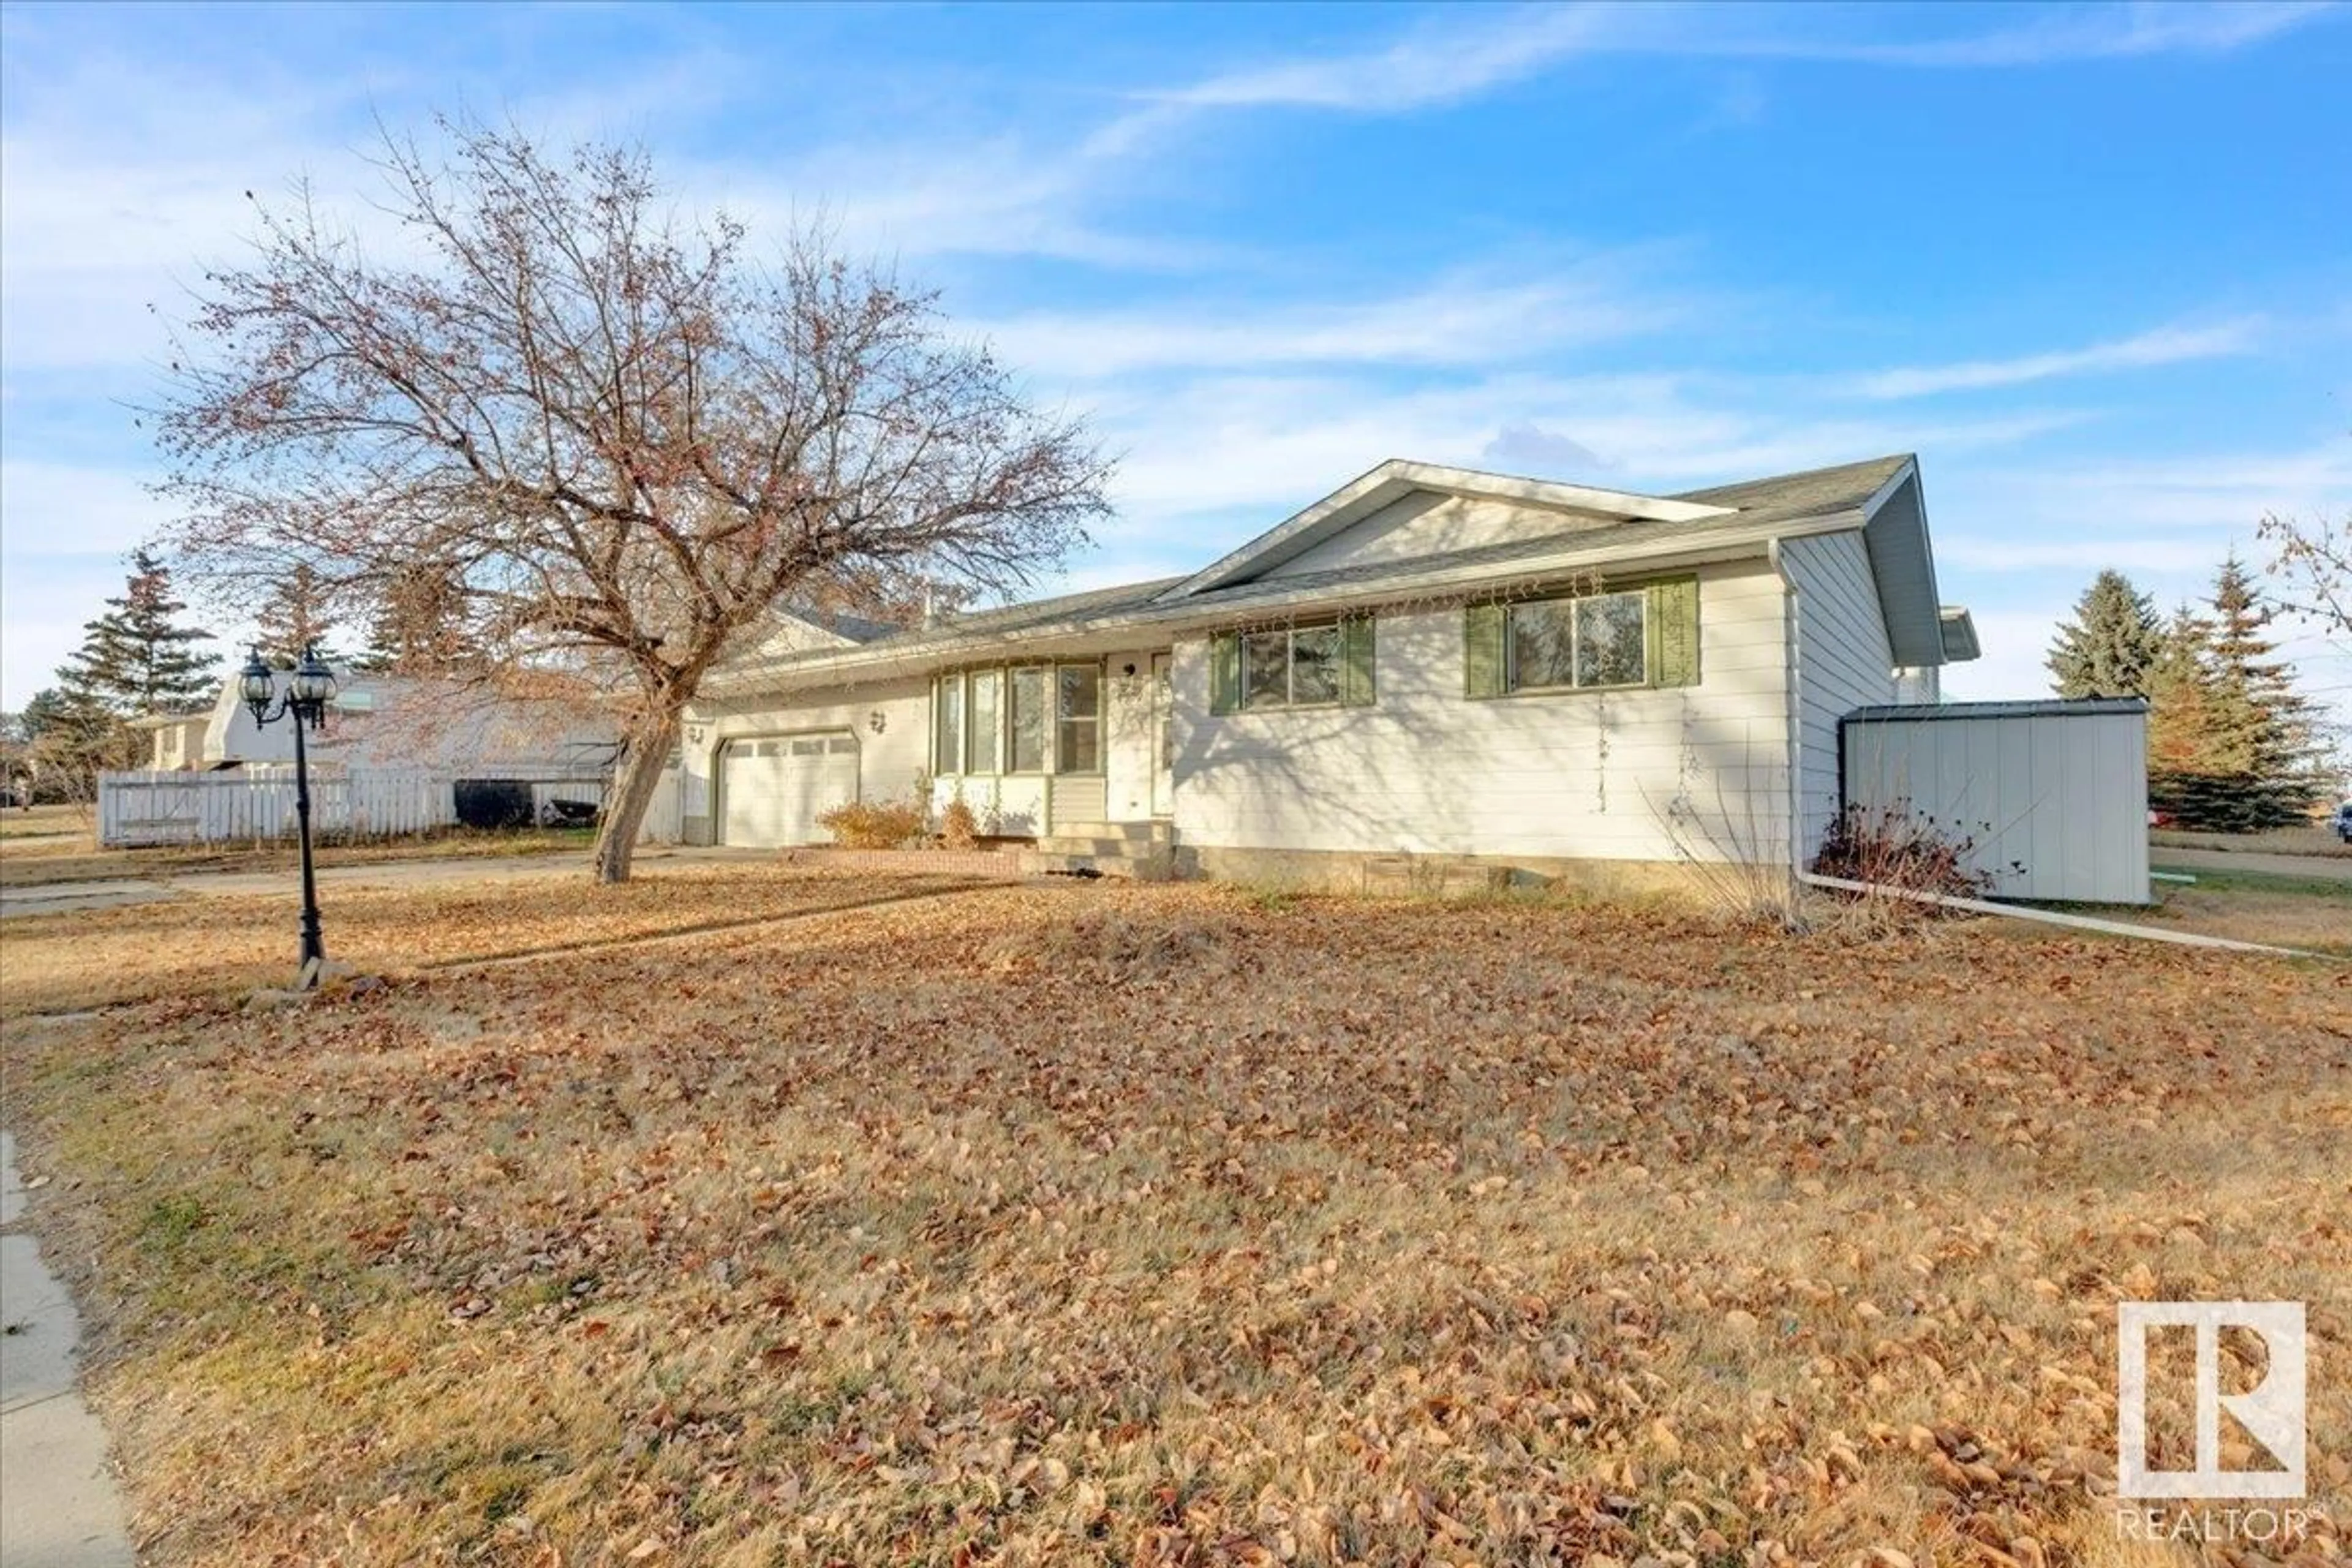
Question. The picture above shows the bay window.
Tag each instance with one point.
(1027, 718)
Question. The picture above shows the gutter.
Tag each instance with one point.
(2056, 917)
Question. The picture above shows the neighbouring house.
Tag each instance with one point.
(395, 754)
(1429, 664)
(396, 722)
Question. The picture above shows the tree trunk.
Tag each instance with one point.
(642, 764)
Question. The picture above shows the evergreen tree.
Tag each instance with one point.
(136, 658)
(295, 620)
(418, 622)
(2110, 646)
(2230, 744)
(2266, 727)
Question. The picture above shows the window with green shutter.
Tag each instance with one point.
(1482, 651)
(1225, 672)
(1618, 639)
(1359, 686)
(1320, 664)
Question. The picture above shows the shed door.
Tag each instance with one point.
(773, 790)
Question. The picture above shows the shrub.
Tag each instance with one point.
(1887, 847)
(874, 824)
(959, 826)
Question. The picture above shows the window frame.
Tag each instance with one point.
(1289, 634)
(1045, 674)
(1514, 687)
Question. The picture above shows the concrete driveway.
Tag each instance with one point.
(60, 898)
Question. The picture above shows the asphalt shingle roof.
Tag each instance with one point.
(1813, 493)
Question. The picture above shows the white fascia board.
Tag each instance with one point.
(1960, 643)
(1163, 618)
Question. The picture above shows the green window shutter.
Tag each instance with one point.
(1673, 632)
(1356, 661)
(1482, 651)
(1225, 672)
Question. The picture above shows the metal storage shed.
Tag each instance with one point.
(2053, 794)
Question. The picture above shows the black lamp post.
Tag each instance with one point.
(307, 688)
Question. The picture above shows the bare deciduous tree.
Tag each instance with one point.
(2313, 560)
(618, 438)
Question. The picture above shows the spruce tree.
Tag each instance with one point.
(295, 618)
(417, 624)
(2109, 648)
(2266, 728)
(136, 658)
(2230, 742)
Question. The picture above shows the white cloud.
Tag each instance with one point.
(2084, 33)
(1459, 54)
(2165, 345)
(1469, 319)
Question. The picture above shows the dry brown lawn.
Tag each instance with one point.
(1168, 1225)
(54, 844)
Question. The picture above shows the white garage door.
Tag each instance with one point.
(775, 789)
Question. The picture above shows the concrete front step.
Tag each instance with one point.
(1073, 844)
(1156, 831)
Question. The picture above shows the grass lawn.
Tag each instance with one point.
(2312, 913)
(1165, 1226)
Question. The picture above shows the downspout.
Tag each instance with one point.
(1792, 609)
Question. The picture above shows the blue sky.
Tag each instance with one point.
(2093, 263)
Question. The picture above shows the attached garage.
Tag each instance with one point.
(773, 788)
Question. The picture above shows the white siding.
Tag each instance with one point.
(890, 759)
(2054, 803)
(1842, 659)
(1425, 524)
(1426, 770)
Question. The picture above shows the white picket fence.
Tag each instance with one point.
(257, 802)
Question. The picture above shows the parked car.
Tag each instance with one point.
(2343, 822)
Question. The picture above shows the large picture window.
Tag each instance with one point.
(1624, 638)
(1030, 719)
(1602, 640)
(1327, 664)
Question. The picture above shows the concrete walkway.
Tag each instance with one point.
(60, 1506)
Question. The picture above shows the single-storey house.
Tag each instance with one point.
(1428, 663)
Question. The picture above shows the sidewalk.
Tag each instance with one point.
(58, 1504)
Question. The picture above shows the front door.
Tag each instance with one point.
(1164, 738)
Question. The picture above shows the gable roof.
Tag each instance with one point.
(1397, 478)
(1840, 489)
(1597, 528)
